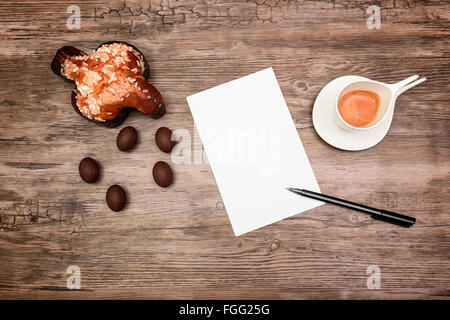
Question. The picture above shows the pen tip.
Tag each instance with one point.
(294, 190)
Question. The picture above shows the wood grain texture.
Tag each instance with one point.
(178, 242)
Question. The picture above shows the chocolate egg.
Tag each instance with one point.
(88, 169)
(126, 139)
(163, 138)
(162, 174)
(116, 198)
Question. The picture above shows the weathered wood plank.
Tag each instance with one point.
(178, 243)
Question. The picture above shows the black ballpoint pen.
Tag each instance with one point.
(379, 214)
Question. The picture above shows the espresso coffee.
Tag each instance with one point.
(359, 107)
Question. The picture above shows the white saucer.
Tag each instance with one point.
(338, 137)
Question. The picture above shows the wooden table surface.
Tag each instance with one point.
(178, 242)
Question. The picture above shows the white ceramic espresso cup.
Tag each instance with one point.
(388, 94)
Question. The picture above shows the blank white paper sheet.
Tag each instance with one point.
(254, 150)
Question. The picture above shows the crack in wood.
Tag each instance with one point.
(32, 211)
(162, 15)
(32, 165)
